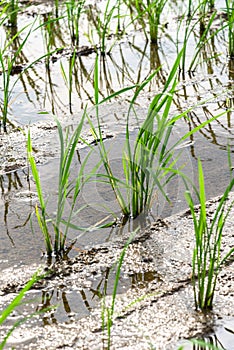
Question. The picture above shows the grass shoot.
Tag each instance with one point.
(108, 312)
(56, 243)
(13, 305)
(7, 63)
(207, 258)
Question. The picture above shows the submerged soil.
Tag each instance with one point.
(154, 308)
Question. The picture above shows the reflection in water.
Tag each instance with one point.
(130, 62)
(64, 305)
(221, 338)
(155, 63)
(8, 183)
(142, 279)
(211, 340)
(85, 299)
(17, 205)
(46, 298)
(209, 131)
(213, 100)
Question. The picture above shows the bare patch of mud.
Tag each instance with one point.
(13, 150)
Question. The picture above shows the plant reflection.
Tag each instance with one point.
(11, 183)
(46, 303)
(212, 341)
(129, 63)
(126, 66)
(59, 298)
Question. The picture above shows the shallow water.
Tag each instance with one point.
(222, 338)
(132, 59)
(18, 199)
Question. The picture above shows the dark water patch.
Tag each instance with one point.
(142, 279)
(17, 205)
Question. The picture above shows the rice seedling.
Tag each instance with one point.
(204, 38)
(69, 78)
(48, 26)
(74, 10)
(150, 154)
(7, 63)
(197, 17)
(56, 5)
(139, 164)
(150, 162)
(207, 258)
(57, 243)
(113, 181)
(13, 305)
(202, 345)
(206, 6)
(42, 220)
(103, 26)
(102, 23)
(230, 19)
(153, 9)
(108, 312)
(13, 11)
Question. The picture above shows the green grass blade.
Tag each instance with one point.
(17, 300)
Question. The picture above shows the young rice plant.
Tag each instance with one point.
(56, 242)
(207, 258)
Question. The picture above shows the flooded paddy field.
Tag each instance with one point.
(154, 306)
(55, 73)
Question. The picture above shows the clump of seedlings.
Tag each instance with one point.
(55, 241)
(150, 162)
(207, 258)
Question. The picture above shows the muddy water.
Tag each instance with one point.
(158, 307)
(19, 197)
(43, 89)
(18, 202)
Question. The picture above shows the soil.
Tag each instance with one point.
(154, 306)
(155, 312)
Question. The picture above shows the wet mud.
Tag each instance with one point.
(154, 307)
